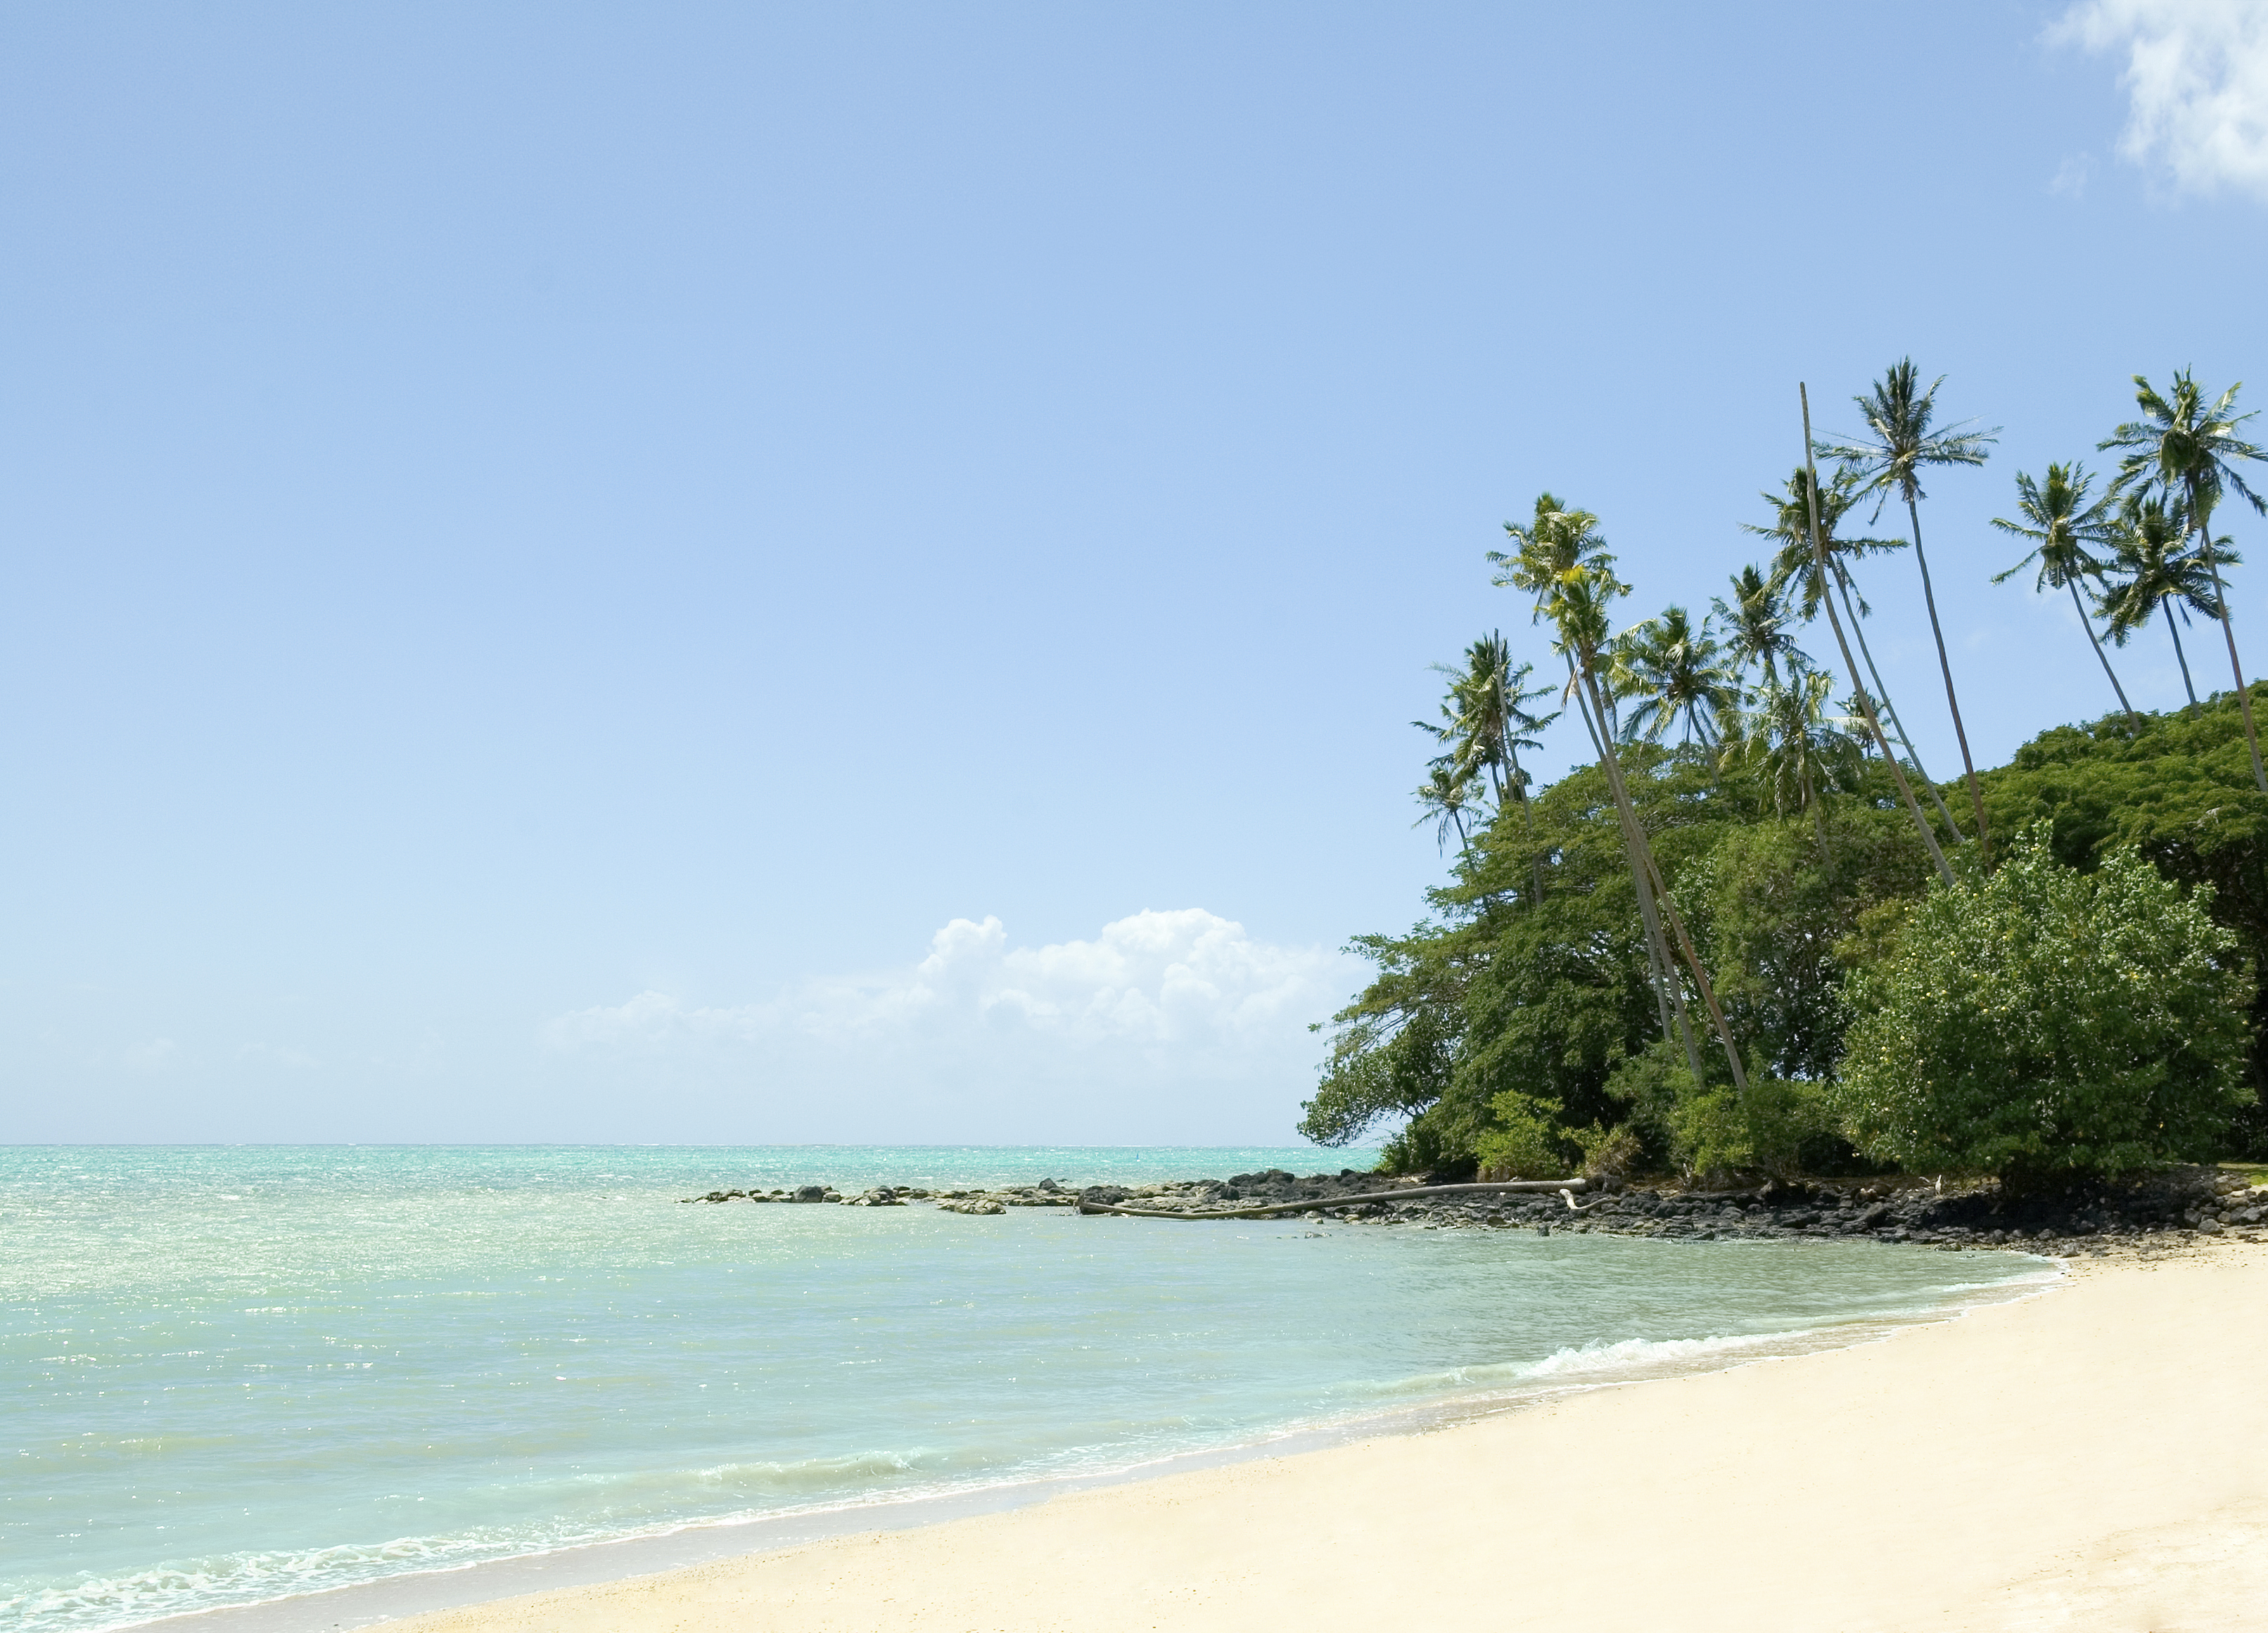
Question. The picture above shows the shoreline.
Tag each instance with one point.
(2084, 1460)
(468, 1588)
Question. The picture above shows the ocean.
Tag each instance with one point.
(232, 1374)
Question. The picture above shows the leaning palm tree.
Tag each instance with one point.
(1793, 563)
(2182, 446)
(1556, 542)
(1867, 710)
(1898, 446)
(2059, 524)
(1803, 753)
(1674, 671)
(2154, 571)
(1577, 601)
(1448, 799)
(1755, 625)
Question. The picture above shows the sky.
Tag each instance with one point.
(776, 573)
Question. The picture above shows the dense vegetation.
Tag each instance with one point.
(1755, 937)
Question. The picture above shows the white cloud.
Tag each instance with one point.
(1158, 1013)
(2197, 75)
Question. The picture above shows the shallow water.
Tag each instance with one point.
(230, 1374)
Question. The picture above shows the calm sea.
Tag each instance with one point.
(232, 1374)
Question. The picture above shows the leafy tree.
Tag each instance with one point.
(2060, 524)
(2188, 448)
(2156, 573)
(2045, 1025)
(1899, 446)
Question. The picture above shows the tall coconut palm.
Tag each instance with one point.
(1803, 752)
(1793, 563)
(1555, 542)
(1898, 447)
(1755, 623)
(1448, 799)
(2153, 569)
(1866, 710)
(1674, 671)
(1577, 602)
(2186, 447)
(2060, 522)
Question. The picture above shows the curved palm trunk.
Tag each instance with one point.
(1889, 709)
(1866, 703)
(1945, 666)
(2228, 631)
(2179, 657)
(2133, 720)
(1667, 991)
(1642, 854)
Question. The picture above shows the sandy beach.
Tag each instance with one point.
(2093, 1458)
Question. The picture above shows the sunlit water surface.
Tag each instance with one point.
(231, 1374)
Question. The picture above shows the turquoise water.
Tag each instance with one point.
(230, 1374)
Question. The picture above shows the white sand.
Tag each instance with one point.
(2095, 1459)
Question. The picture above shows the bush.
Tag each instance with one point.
(1719, 1133)
(2046, 1024)
(1526, 1143)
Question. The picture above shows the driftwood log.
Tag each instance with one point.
(1316, 1204)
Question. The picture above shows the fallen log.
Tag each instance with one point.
(1313, 1203)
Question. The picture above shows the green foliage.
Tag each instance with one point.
(1776, 1129)
(2045, 1023)
(1527, 1142)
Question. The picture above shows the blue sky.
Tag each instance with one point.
(664, 572)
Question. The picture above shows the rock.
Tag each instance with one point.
(809, 1193)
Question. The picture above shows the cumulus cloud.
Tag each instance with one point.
(2197, 79)
(1157, 1010)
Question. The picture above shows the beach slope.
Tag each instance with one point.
(2094, 1458)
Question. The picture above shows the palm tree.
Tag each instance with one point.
(1673, 670)
(1447, 797)
(2156, 573)
(1791, 526)
(1486, 723)
(1805, 753)
(1557, 542)
(2059, 524)
(2181, 445)
(1577, 600)
(1755, 625)
(1899, 446)
(1858, 689)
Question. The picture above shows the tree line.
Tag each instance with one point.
(1732, 942)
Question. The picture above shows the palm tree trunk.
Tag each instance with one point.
(1527, 822)
(1945, 666)
(1658, 969)
(2178, 656)
(2204, 518)
(1866, 703)
(2133, 720)
(1889, 709)
(1634, 837)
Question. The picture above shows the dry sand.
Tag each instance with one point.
(2093, 1458)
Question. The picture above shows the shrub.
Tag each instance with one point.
(1721, 1134)
(1526, 1142)
(2045, 1023)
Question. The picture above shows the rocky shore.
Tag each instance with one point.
(2162, 1209)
